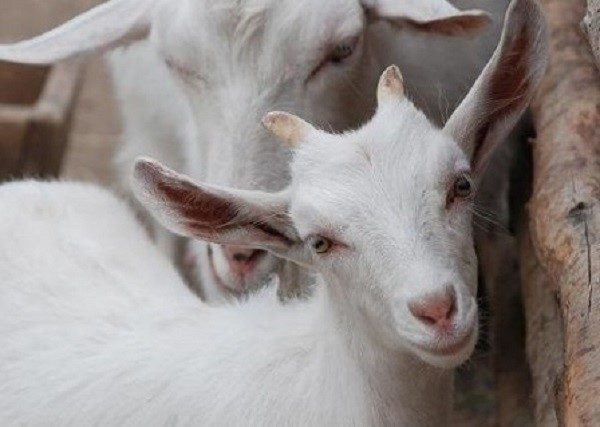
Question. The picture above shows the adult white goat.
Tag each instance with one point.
(237, 60)
(93, 335)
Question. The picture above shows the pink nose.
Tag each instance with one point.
(242, 261)
(436, 310)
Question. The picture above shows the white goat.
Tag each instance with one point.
(236, 60)
(102, 331)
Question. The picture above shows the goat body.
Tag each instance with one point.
(98, 329)
(102, 330)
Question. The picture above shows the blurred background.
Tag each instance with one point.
(95, 127)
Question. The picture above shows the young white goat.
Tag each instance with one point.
(103, 332)
(234, 61)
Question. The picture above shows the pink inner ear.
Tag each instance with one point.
(196, 209)
(211, 216)
(199, 211)
(508, 85)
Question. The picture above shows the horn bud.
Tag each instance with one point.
(391, 85)
(292, 130)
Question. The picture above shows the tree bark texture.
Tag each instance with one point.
(591, 25)
(564, 210)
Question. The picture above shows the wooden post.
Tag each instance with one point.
(544, 336)
(565, 211)
(591, 24)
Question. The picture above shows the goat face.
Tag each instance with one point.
(238, 60)
(256, 57)
(383, 213)
(310, 57)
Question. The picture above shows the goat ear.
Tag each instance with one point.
(431, 16)
(112, 24)
(214, 214)
(504, 89)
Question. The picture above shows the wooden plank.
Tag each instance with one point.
(34, 124)
(46, 140)
(95, 134)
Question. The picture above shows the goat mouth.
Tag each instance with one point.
(220, 282)
(452, 348)
(240, 284)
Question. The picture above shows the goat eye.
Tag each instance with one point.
(337, 55)
(342, 51)
(183, 72)
(462, 188)
(321, 245)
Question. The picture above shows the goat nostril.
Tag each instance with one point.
(452, 309)
(242, 255)
(427, 320)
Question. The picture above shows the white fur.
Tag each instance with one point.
(245, 156)
(237, 60)
(97, 328)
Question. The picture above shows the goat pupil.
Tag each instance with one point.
(341, 52)
(463, 187)
(321, 245)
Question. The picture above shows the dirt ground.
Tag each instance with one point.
(95, 136)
